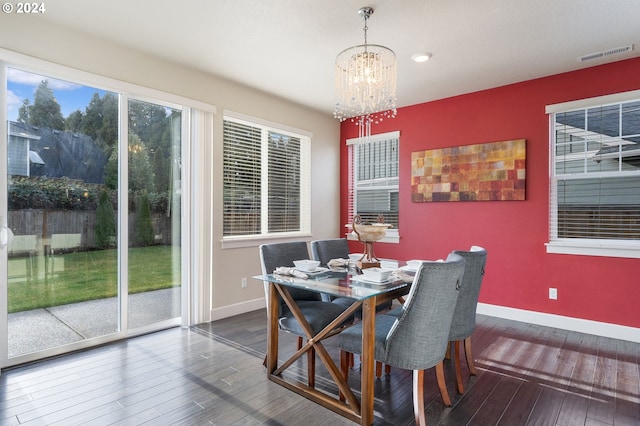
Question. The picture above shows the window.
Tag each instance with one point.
(373, 181)
(266, 180)
(595, 176)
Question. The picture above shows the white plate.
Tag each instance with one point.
(363, 279)
(318, 270)
(408, 268)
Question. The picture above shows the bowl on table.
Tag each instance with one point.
(377, 274)
(414, 264)
(306, 265)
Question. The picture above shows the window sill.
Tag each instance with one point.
(595, 248)
(256, 240)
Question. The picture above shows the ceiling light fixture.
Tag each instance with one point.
(366, 83)
(421, 57)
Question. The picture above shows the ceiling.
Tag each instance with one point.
(288, 47)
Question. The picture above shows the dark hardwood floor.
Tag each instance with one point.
(212, 374)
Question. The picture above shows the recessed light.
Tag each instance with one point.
(421, 57)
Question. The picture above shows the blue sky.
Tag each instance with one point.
(70, 96)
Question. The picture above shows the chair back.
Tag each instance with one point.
(326, 250)
(464, 316)
(418, 339)
(275, 255)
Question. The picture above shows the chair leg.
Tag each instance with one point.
(387, 369)
(311, 367)
(456, 362)
(378, 369)
(345, 359)
(442, 385)
(447, 355)
(469, 356)
(418, 397)
(300, 342)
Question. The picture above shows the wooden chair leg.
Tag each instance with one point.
(311, 367)
(447, 355)
(300, 342)
(345, 359)
(469, 356)
(456, 362)
(387, 369)
(442, 385)
(418, 397)
(378, 369)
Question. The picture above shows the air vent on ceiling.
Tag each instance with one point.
(616, 51)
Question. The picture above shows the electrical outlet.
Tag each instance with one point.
(553, 293)
(244, 282)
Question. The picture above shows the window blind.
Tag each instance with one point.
(241, 179)
(266, 180)
(595, 186)
(373, 181)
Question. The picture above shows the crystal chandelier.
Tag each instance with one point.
(366, 80)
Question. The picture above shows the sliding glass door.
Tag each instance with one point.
(93, 203)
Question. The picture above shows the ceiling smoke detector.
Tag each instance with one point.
(616, 51)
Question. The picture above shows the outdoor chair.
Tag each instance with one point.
(416, 339)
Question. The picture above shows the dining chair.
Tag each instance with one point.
(338, 248)
(318, 314)
(464, 316)
(416, 339)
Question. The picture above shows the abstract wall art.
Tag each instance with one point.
(483, 172)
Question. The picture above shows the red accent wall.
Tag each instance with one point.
(519, 271)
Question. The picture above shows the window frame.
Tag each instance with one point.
(304, 231)
(583, 246)
(392, 234)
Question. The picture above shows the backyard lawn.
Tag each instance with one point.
(77, 277)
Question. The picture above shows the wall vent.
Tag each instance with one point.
(616, 51)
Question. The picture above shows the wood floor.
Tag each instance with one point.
(213, 375)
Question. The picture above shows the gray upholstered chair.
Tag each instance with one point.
(338, 248)
(318, 314)
(417, 338)
(464, 316)
(326, 250)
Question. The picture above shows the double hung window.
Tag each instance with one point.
(373, 180)
(595, 176)
(266, 180)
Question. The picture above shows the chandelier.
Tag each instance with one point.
(366, 80)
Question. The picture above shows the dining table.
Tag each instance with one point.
(337, 282)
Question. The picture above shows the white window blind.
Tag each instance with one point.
(265, 180)
(373, 179)
(595, 171)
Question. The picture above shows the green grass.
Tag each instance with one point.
(83, 276)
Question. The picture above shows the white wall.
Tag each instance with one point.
(31, 36)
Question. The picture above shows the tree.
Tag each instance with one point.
(100, 121)
(143, 227)
(24, 112)
(105, 231)
(73, 122)
(46, 111)
(141, 176)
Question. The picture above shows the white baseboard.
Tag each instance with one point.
(237, 309)
(565, 323)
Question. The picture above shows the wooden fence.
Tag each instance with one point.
(74, 228)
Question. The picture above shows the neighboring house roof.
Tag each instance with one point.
(62, 154)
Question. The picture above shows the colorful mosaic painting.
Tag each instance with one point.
(483, 172)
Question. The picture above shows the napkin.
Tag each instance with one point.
(290, 272)
(401, 275)
(339, 263)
